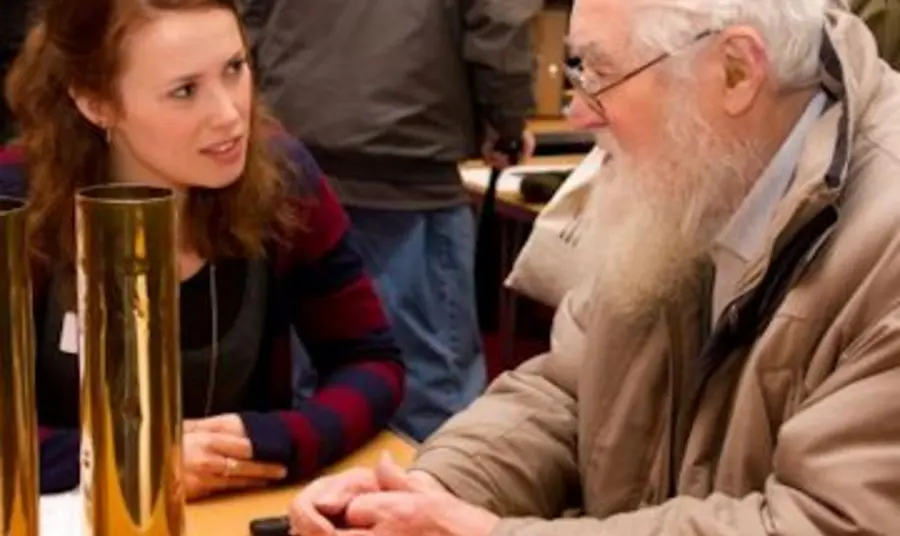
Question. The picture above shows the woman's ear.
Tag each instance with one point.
(92, 108)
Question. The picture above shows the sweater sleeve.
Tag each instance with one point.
(340, 320)
(59, 455)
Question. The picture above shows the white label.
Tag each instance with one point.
(68, 338)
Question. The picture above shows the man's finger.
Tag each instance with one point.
(334, 498)
(306, 520)
(497, 160)
(392, 477)
(368, 510)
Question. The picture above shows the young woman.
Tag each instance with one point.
(159, 92)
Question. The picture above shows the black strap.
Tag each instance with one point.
(487, 246)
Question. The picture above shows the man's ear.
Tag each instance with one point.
(745, 68)
(92, 108)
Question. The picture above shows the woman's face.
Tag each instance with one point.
(186, 94)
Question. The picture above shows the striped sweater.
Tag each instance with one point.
(320, 289)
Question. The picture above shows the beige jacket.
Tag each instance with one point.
(796, 428)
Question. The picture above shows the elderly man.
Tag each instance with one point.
(733, 367)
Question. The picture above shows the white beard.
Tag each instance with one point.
(654, 222)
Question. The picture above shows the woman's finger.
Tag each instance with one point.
(225, 483)
(213, 459)
(254, 470)
(228, 445)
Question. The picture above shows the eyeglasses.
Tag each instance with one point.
(585, 82)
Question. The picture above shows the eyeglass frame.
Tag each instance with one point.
(575, 74)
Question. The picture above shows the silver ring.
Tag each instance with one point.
(230, 466)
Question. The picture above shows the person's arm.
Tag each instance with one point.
(342, 323)
(836, 465)
(497, 47)
(513, 451)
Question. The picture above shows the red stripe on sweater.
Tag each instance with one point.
(355, 413)
(11, 155)
(305, 438)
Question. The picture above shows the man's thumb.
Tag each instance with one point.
(392, 477)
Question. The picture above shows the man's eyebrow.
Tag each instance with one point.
(591, 51)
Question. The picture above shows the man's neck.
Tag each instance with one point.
(776, 118)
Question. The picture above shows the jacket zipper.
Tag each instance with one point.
(688, 401)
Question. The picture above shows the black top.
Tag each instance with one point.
(240, 296)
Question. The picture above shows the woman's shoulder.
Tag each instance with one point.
(323, 222)
(12, 172)
(302, 174)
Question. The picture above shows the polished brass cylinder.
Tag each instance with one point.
(18, 414)
(129, 344)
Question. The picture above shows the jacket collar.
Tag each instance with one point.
(850, 72)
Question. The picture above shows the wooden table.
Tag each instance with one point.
(231, 516)
(511, 204)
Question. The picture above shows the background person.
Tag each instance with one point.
(390, 97)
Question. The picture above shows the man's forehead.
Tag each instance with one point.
(599, 26)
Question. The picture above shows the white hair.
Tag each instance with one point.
(791, 29)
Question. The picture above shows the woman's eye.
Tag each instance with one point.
(236, 66)
(184, 92)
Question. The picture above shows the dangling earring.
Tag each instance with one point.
(107, 135)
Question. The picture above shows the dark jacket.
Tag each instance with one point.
(391, 95)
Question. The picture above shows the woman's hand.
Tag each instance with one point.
(218, 457)
(227, 423)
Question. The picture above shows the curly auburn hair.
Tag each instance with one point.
(78, 44)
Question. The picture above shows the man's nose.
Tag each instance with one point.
(582, 115)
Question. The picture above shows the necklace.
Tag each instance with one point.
(214, 343)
